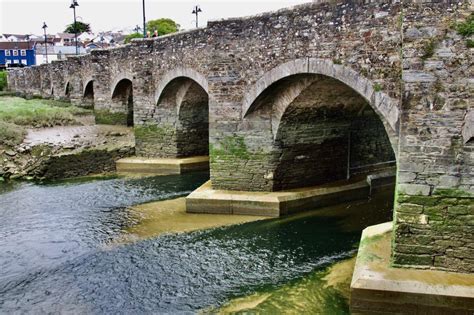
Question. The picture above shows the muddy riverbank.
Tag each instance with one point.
(66, 151)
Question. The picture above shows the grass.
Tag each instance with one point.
(38, 113)
(3, 80)
(17, 114)
(466, 28)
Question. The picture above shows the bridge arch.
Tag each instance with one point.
(122, 99)
(182, 96)
(177, 73)
(68, 89)
(319, 127)
(88, 92)
(385, 107)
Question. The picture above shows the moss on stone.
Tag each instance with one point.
(106, 117)
(417, 200)
(145, 131)
(377, 87)
(454, 193)
(429, 48)
(41, 150)
(418, 261)
(367, 256)
(231, 147)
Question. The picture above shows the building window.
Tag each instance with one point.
(8, 62)
(15, 52)
(16, 61)
(23, 52)
(7, 52)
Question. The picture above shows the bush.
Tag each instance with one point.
(129, 37)
(11, 134)
(3, 80)
(466, 28)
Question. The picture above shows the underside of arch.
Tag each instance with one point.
(319, 130)
(306, 70)
(184, 103)
(122, 100)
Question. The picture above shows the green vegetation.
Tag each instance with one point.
(3, 80)
(11, 134)
(105, 117)
(163, 26)
(38, 113)
(455, 193)
(429, 48)
(230, 146)
(81, 27)
(17, 114)
(129, 37)
(466, 28)
(377, 87)
(143, 132)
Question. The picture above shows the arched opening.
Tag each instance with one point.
(322, 131)
(88, 98)
(68, 90)
(189, 102)
(122, 98)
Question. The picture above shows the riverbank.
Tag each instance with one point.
(46, 139)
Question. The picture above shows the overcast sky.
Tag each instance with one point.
(27, 16)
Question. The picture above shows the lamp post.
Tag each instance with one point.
(144, 19)
(45, 41)
(196, 11)
(73, 6)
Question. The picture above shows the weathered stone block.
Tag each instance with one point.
(414, 189)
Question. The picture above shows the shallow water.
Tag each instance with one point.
(56, 255)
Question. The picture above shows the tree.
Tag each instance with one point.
(129, 37)
(163, 26)
(80, 26)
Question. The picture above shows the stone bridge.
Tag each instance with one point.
(304, 96)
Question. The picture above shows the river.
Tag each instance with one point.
(63, 251)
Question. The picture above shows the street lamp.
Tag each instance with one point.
(144, 20)
(196, 11)
(73, 6)
(45, 40)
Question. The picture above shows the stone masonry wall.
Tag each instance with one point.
(434, 216)
(349, 36)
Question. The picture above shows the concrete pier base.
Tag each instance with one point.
(167, 166)
(377, 288)
(274, 204)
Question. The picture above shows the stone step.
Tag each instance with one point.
(273, 204)
(378, 288)
(162, 166)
